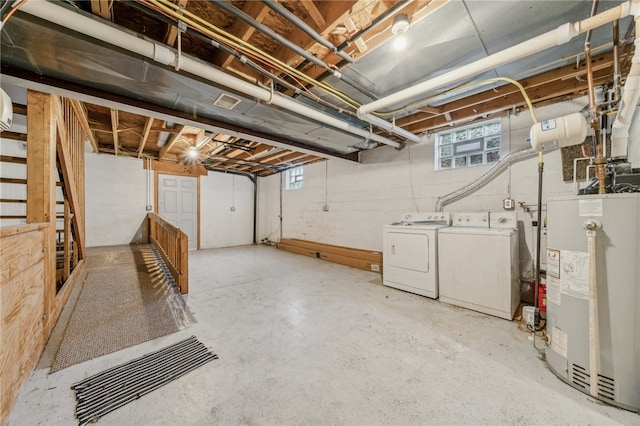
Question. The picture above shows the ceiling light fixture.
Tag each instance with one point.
(399, 27)
(400, 24)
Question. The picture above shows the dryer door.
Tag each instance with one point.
(408, 250)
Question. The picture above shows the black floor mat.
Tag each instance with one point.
(113, 388)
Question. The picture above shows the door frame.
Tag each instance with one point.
(155, 196)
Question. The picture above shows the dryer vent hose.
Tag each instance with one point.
(486, 177)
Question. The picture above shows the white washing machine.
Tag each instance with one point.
(410, 258)
(478, 263)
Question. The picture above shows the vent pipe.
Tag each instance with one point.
(559, 36)
(630, 97)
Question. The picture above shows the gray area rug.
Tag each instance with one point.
(126, 300)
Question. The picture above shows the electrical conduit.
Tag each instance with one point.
(162, 54)
(556, 37)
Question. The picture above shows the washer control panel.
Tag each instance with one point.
(470, 219)
(425, 218)
(502, 219)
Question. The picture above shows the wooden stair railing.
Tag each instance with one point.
(173, 246)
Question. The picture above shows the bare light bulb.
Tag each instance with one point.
(400, 42)
(192, 152)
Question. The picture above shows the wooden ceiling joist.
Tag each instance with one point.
(333, 11)
(257, 10)
(145, 136)
(81, 113)
(172, 31)
(171, 142)
(114, 130)
(102, 8)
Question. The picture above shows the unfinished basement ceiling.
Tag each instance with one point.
(140, 107)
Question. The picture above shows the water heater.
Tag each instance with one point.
(615, 247)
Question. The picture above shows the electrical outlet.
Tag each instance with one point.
(508, 204)
(149, 207)
(325, 208)
(531, 316)
(375, 268)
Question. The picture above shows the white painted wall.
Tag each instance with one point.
(116, 197)
(11, 170)
(388, 183)
(220, 226)
(115, 200)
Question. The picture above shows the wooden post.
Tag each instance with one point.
(184, 263)
(41, 185)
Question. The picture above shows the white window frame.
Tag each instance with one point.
(293, 178)
(472, 145)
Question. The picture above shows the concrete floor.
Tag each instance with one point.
(302, 341)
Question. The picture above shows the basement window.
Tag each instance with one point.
(472, 145)
(293, 178)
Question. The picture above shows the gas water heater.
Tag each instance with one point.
(594, 244)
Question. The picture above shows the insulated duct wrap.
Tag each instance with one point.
(486, 177)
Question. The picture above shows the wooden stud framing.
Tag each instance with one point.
(74, 188)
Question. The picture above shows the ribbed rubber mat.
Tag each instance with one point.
(113, 388)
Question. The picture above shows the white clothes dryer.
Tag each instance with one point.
(410, 257)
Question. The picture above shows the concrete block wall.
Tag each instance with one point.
(388, 183)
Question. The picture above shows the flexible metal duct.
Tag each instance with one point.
(486, 177)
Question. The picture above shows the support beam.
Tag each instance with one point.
(114, 129)
(41, 185)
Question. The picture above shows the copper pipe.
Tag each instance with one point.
(616, 59)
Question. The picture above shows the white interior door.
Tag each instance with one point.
(178, 203)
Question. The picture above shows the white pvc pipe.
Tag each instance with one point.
(594, 331)
(160, 53)
(556, 37)
(630, 97)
